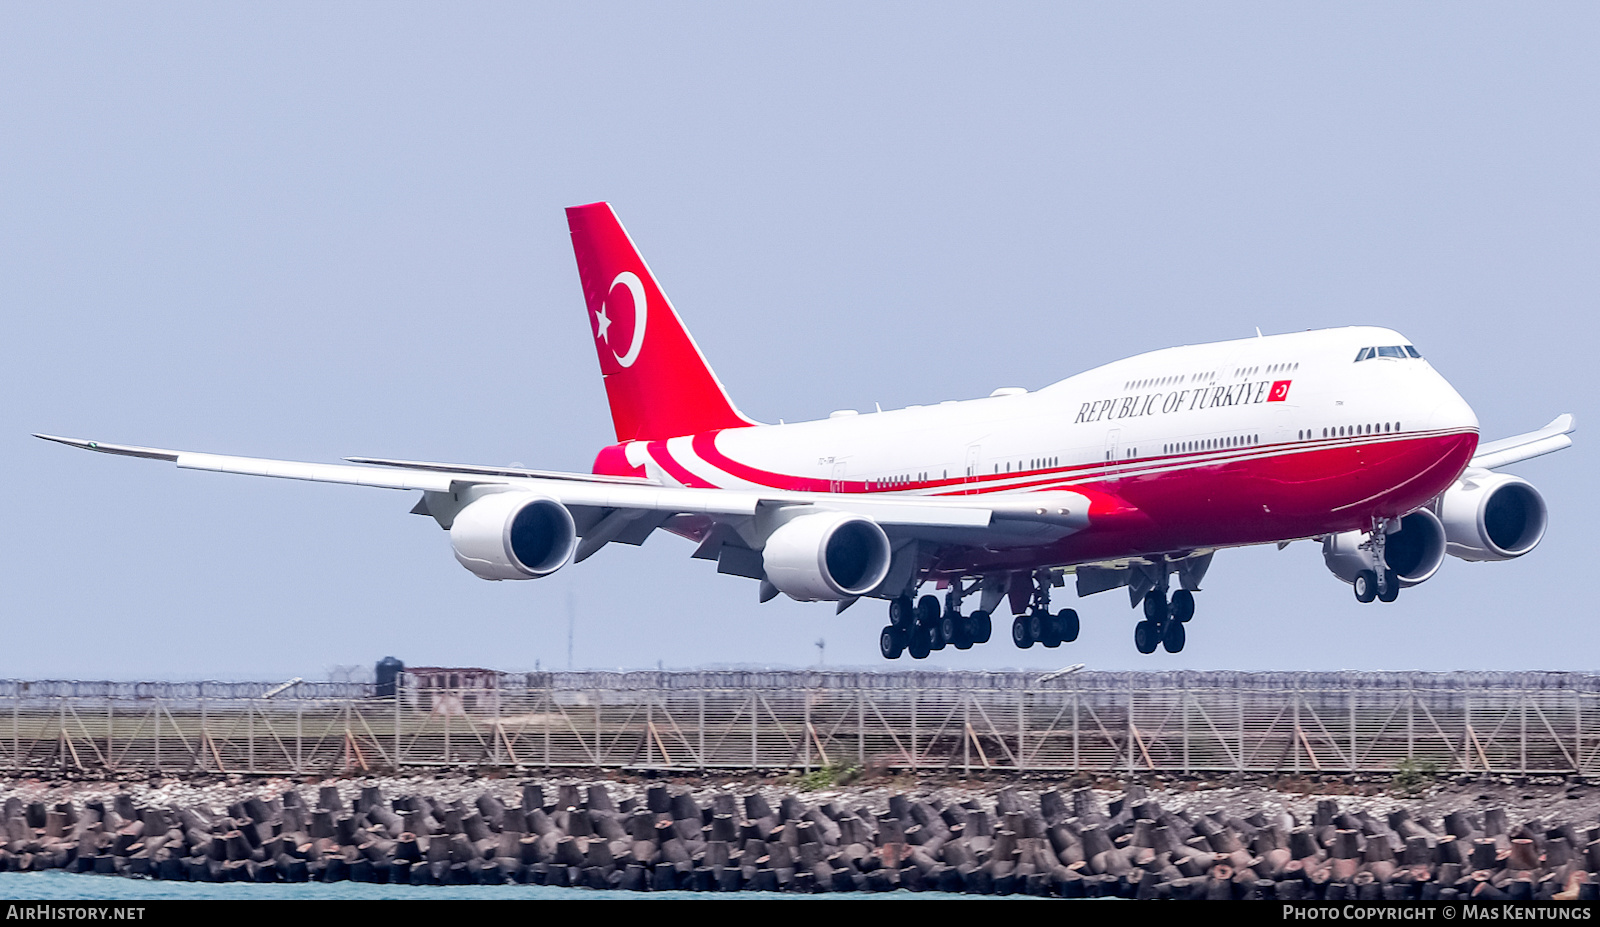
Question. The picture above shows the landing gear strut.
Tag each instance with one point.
(1380, 582)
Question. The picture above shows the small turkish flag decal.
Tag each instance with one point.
(1280, 391)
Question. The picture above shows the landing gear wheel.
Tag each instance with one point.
(1173, 636)
(1146, 637)
(1155, 605)
(1067, 625)
(963, 639)
(920, 646)
(1391, 587)
(1019, 632)
(1039, 627)
(1182, 605)
(951, 631)
(936, 638)
(891, 643)
(1366, 586)
(901, 613)
(1049, 630)
(928, 611)
(981, 627)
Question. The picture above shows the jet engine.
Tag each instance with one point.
(513, 535)
(1414, 552)
(827, 556)
(1492, 516)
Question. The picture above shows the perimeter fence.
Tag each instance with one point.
(1180, 722)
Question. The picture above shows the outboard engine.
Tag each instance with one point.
(513, 535)
(1492, 516)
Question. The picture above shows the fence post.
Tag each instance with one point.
(1295, 747)
(1238, 703)
(806, 733)
(497, 734)
(914, 690)
(1077, 757)
(1183, 706)
(1411, 724)
(966, 735)
(861, 727)
(1523, 702)
(1350, 703)
(1022, 727)
(1130, 731)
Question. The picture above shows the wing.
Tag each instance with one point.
(1507, 451)
(627, 510)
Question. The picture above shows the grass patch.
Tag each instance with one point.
(1415, 775)
(827, 777)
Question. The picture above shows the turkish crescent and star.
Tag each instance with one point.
(640, 315)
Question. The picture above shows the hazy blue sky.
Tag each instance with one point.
(329, 229)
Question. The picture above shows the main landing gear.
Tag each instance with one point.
(922, 626)
(1163, 624)
(1380, 582)
(1037, 625)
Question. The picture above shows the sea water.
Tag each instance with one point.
(67, 886)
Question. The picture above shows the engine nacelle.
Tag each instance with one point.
(513, 535)
(1414, 552)
(1492, 516)
(827, 556)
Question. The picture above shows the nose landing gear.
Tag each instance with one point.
(1380, 582)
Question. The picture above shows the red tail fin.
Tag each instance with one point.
(659, 383)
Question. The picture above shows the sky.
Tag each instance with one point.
(318, 230)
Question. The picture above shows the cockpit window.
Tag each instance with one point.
(1400, 351)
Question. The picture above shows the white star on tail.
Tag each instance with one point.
(602, 323)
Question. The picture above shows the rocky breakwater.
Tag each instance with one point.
(1073, 844)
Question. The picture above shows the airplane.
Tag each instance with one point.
(1130, 475)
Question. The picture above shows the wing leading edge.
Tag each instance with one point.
(1507, 451)
(1067, 514)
